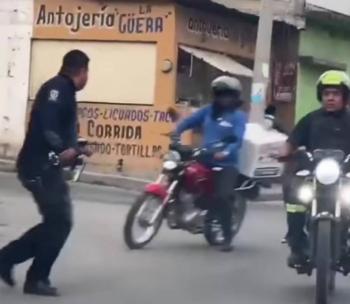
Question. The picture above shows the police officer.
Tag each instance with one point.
(52, 131)
(326, 128)
(219, 120)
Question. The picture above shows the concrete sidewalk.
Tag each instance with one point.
(274, 193)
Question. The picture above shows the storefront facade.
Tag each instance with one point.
(134, 73)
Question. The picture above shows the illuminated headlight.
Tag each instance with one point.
(306, 194)
(169, 165)
(172, 156)
(327, 171)
(345, 195)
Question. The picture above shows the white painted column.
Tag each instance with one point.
(16, 24)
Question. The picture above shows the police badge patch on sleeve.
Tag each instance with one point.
(53, 95)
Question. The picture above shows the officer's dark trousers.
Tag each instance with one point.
(43, 242)
(224, 182)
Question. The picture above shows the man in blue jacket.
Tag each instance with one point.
(218, 121)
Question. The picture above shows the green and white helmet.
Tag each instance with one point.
(226, 83)
(333, 78)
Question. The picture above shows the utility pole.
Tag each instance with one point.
(262, 62)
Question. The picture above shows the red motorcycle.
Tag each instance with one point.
(183, 195)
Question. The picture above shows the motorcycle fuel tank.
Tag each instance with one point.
(198, 179)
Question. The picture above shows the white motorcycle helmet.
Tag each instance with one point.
(226, 83)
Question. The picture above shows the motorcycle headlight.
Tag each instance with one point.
(173, 156)
(169, 165)
(306, 194)
(327, 171)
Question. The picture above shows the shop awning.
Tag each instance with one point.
(219, 61)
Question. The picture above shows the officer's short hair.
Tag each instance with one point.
(74, 61)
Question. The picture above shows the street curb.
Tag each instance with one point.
(114, 180)
(135, 184)
(267, 194)
(7, 165)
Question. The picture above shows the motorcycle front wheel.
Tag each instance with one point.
(323, 260)
(139, 230)
(212, 228)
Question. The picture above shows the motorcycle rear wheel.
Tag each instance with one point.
(324, 274)
(133, 218)
(212, 227)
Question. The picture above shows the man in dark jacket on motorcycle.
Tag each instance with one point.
(326, 128)
(218, 121)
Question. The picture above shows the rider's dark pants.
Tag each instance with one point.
(224, 182)
(43, 242)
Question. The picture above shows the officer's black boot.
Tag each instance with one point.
(297, 239)
(297, 257)
(6, 270)
(6, 274)
(40, 288)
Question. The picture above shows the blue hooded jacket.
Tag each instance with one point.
(213, 131)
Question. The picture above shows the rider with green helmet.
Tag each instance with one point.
(326, 128)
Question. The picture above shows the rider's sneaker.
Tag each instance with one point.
(296, 258)
(344, 263)
(285, 239)
(226, 247)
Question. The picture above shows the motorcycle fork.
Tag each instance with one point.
(336, 232)
(165, 202)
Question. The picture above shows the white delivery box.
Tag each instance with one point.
(255, 157)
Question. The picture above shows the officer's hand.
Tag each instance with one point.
(220, 156)
(67, 157)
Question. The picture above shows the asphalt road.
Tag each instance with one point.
(95, 267)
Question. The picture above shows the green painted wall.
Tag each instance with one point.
(322, 43)
(306, 92)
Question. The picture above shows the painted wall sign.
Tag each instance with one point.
(216, 32)
(110, 18)
(123, 114)
(119, 19)
(128, 133)
(284, 81)
(207, 27)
